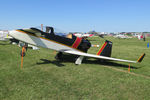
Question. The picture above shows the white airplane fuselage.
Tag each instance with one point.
(39, 41)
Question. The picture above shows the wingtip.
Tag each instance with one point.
(141, 58)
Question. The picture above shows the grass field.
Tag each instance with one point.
(44, 78)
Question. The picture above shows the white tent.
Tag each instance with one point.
(3, 34)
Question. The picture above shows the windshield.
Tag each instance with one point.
(56, 31)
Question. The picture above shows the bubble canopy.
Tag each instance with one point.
(56, 30)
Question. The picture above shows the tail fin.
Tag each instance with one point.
(106, 49)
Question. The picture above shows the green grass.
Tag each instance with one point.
(44, 78)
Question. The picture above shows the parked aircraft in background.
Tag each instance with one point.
(85, 35)
(64, 44)
(3, 35)
(122, 36)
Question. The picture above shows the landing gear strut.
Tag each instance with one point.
(79, 60)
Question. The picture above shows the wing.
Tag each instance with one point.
(101, 57)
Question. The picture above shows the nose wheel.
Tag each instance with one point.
(58, 57)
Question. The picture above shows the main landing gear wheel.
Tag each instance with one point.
(58, 57)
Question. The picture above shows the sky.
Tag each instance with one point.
(77, 15)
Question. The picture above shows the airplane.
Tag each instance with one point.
(86, 35)
(69, 44)
(122, 36)
(94, 33)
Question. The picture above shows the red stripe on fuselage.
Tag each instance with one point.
(99, 52)
(77, 42)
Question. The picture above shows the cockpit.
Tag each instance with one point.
(48, 31)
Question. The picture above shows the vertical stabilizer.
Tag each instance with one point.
(106, 49)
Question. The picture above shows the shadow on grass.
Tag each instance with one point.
(108, 63)
(45, 61)
(71, 58)
(4, 43)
